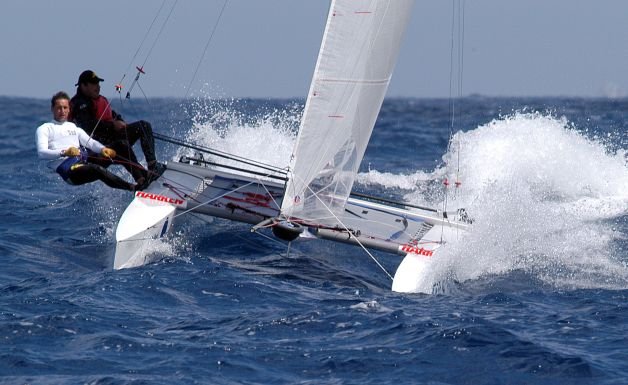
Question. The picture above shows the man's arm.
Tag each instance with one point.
(88, 142)
(116, 116)
(42, 144)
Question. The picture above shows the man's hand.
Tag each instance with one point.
(71, 151)
(108, 152)
(119, 125)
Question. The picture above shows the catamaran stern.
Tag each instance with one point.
(414, 273)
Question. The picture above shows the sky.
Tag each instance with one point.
(268, 48)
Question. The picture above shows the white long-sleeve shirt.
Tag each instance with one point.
(54, 137)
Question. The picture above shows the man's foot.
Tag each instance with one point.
(140, 184)
(155, 170)
(156, 167)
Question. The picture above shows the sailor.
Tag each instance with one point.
(60, 140)
(92, 112)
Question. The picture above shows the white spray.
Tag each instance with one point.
(544, 199)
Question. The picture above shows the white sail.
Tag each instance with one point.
(354, 67)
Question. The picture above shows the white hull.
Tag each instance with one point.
(140, 224)
(187, 188)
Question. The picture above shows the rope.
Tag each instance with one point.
(219, 153)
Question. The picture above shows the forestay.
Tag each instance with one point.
(353, 70)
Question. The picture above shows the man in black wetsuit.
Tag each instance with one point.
(92, 112)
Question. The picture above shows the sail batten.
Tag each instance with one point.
(354, 67)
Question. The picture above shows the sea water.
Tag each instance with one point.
(535, 293)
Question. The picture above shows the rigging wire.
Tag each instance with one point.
(211, 36)
(350, 233)
(163, 25)
(461, 35)
(456, 63)
(140, 69)
(119, 85)
(456, 72)
(221, 154)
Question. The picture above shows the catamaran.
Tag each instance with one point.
(312, 198)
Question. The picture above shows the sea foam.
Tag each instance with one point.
(544, 199)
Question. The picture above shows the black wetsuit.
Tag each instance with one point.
(84, 115)
(82, 173)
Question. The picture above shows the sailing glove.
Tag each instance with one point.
(108, 152)
(71, 151)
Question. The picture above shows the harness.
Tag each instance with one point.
(71, 163)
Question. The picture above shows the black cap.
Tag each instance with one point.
(88, 76)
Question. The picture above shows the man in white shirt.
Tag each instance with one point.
(59, 141)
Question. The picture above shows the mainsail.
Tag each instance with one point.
(353, 70)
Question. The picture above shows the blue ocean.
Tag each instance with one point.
(536, 293)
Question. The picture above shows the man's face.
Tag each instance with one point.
(61, 109)
(92, 90)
